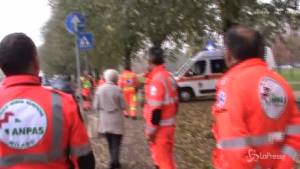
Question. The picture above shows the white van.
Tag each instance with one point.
(198, 76)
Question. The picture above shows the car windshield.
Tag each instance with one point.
(183, 68)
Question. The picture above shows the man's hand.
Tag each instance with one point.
(150, 137)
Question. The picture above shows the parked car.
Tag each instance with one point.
(63, 83)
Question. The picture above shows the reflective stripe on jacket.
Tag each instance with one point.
(160, 93)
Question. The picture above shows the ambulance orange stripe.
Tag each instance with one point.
(209, 77)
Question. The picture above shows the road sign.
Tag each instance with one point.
(85, 41)
(75, 22)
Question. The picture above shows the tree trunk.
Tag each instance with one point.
(230, 13)
(158, 39)
(127, 58)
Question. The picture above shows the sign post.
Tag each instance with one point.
(78, 69)
(74, 23)
(84, 43)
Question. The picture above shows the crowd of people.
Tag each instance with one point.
(41, 128)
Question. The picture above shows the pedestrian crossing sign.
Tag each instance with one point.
(85, 41)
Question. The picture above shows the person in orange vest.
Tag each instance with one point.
(87, 85)
(144, 80)
(160, 109)
(128, 83)
(256, 121)
(40, 128)
(86, 91)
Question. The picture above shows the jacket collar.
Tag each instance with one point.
(157, 69)
(247, 63)
(21, 80)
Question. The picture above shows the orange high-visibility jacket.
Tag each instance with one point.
(160, 93)
(39, 128)
(257, 123)
(128, 81)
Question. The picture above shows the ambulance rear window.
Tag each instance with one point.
(218, 66)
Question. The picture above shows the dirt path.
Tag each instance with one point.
(134, 153)
(193, 140)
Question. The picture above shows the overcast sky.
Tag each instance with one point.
(27, 16)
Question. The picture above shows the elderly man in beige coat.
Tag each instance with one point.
(109, 103)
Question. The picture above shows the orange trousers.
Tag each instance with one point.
(162, 148)
(130, 98)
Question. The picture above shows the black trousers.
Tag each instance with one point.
(114, 143)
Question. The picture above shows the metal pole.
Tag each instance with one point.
(78, 69)
(87, 62)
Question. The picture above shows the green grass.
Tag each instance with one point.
(291, 75)
(296, 87)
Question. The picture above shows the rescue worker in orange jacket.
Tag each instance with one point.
(86, 90)
(40, 128)
(257, 124)
(128, 83)
(161, 105)
(86, 86)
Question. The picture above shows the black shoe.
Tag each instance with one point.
(134, 118)
(115, 166)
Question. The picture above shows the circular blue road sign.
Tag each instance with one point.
(75, 22)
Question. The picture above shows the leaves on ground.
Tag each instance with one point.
(193, 140)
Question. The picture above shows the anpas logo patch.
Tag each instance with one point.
(23, 124)
(273, 97)
(221, 99)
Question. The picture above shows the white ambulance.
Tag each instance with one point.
(198, 76)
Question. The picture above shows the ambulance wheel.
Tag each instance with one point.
(186, 94)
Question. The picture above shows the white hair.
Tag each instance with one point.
(111, 75)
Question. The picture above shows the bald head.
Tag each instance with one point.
(244, 43)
